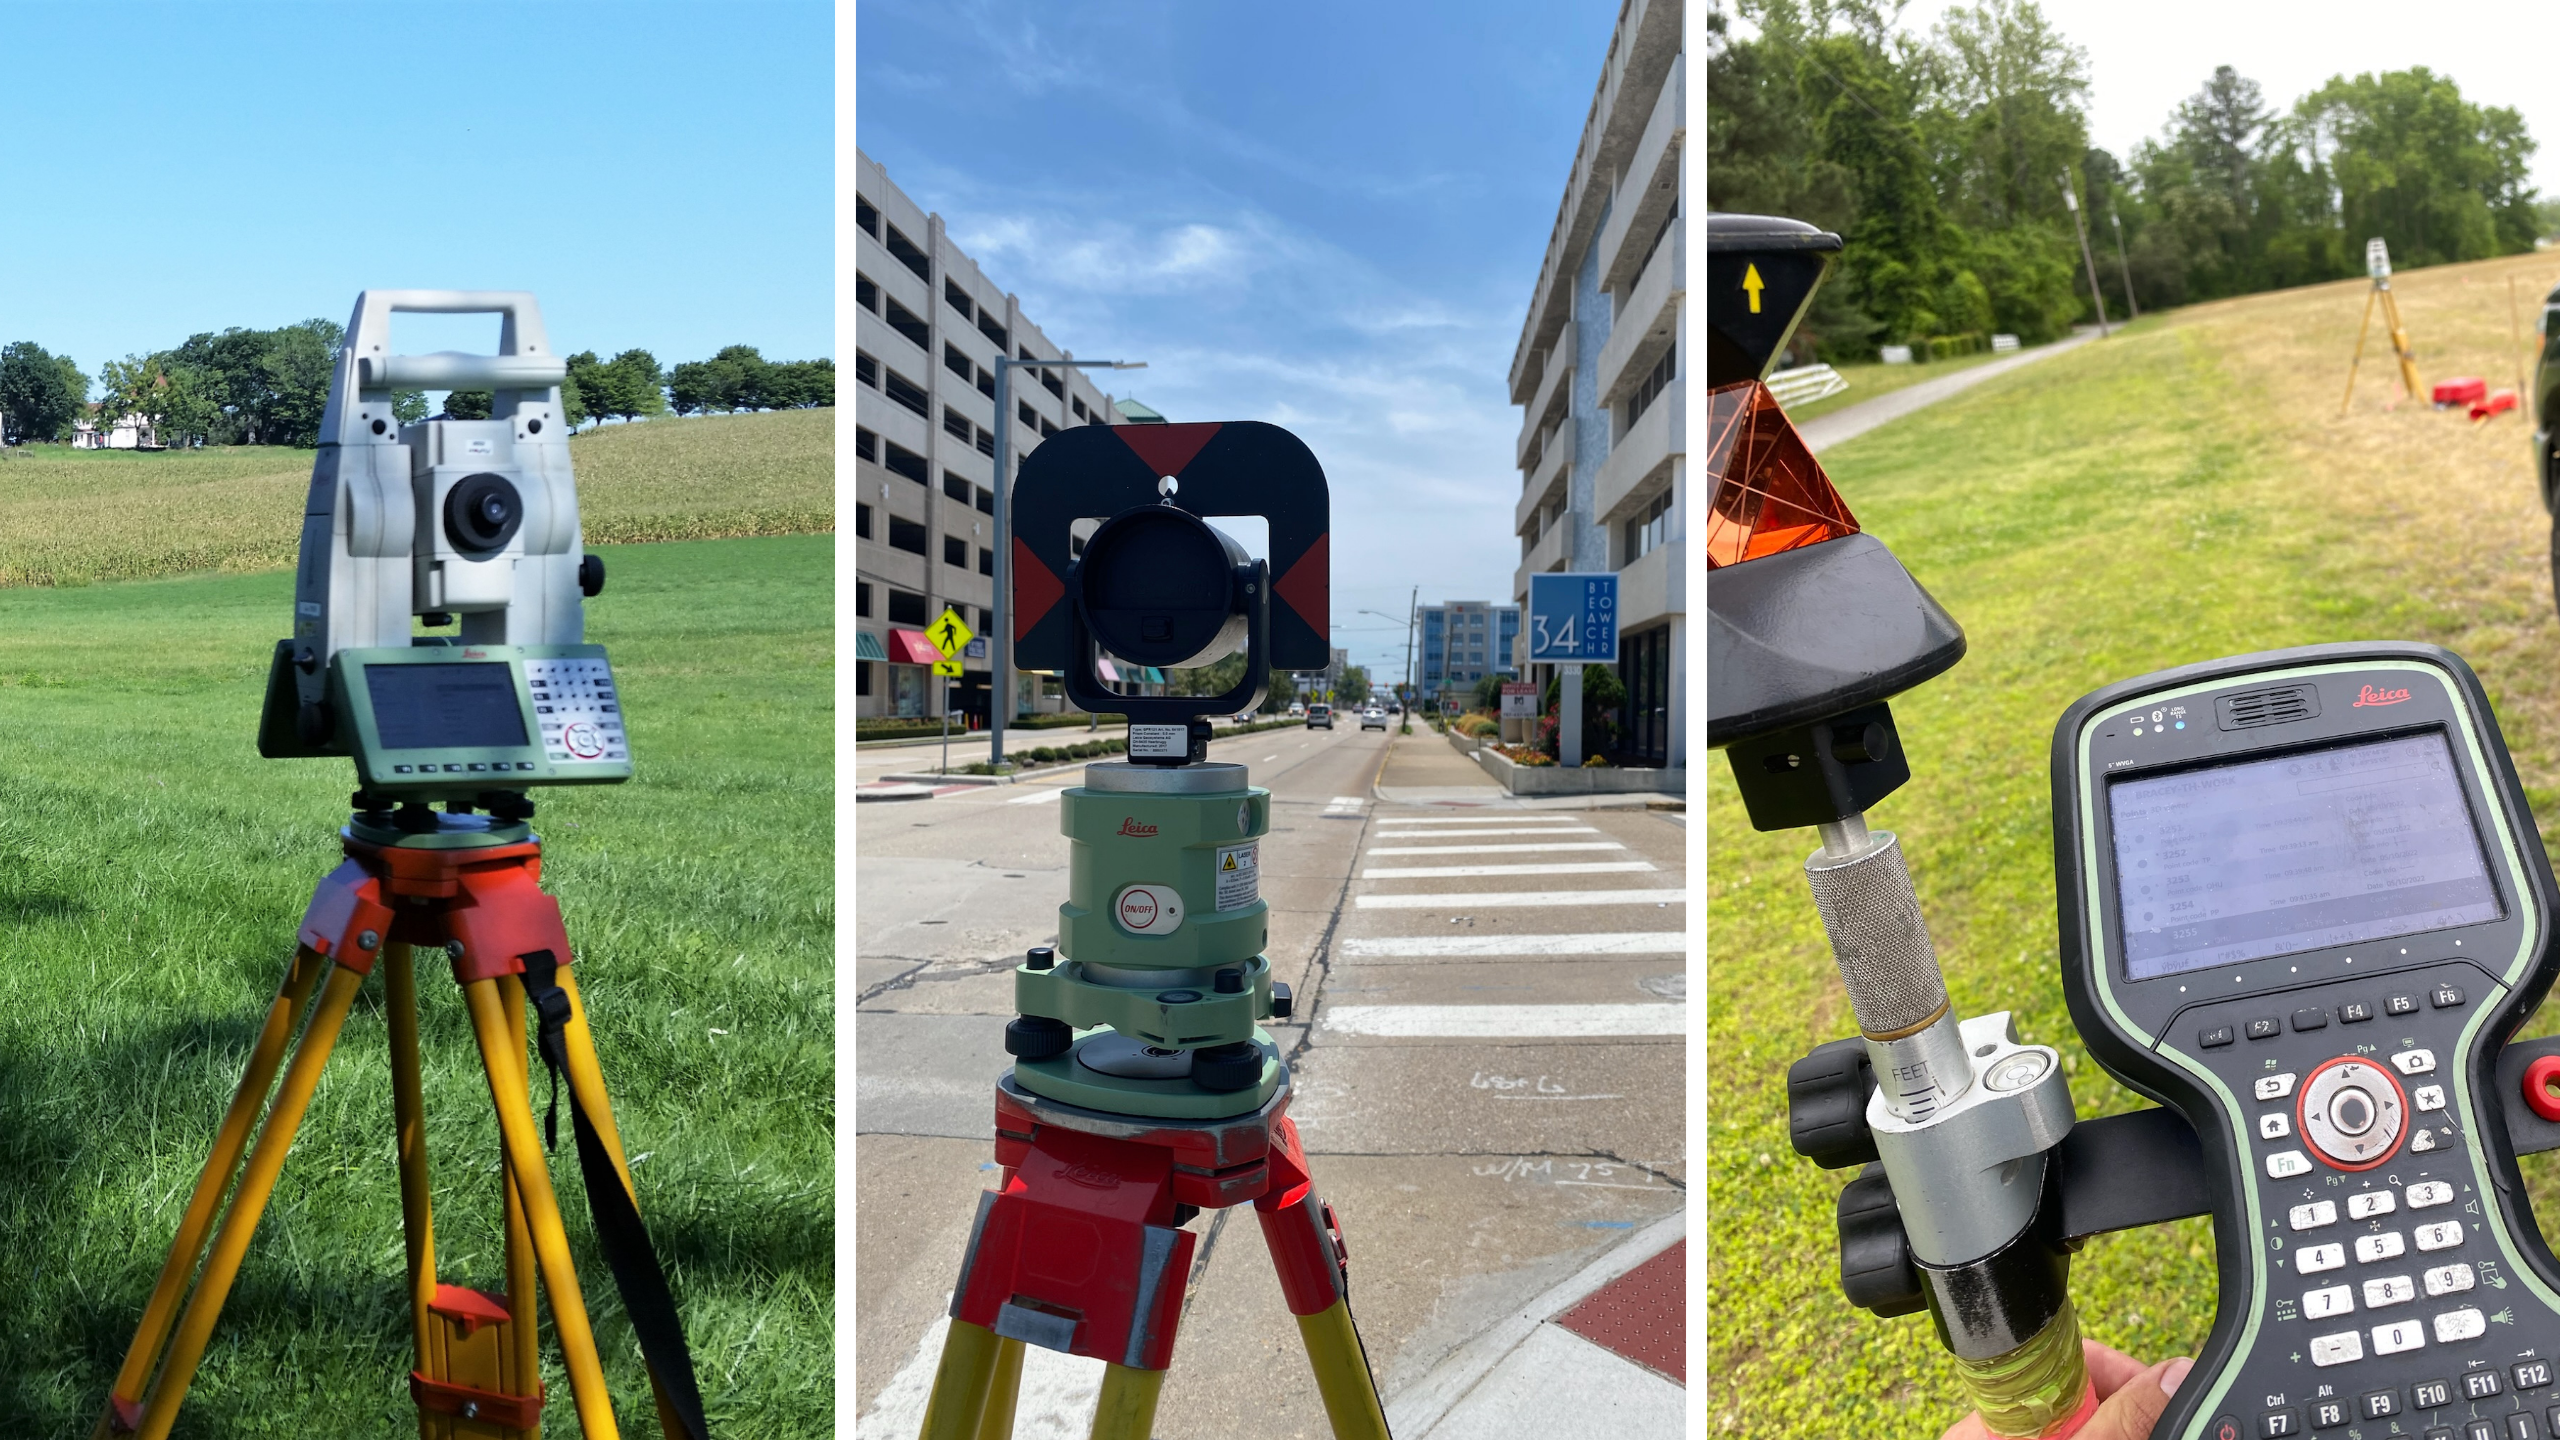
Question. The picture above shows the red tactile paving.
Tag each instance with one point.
(1642, 1315)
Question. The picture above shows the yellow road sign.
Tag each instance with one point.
(946, 667)
(950, 635)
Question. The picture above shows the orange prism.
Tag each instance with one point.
(1766, 492)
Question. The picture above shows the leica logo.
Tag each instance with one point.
(1129, 823)
(2370, 696)
(1088, 1177)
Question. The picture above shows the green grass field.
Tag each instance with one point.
(152, 871)
(1867, 381)
(2183, 491)
(69, 517)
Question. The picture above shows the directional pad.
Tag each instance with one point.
(2352, 1113)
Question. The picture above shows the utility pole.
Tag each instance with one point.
(1413, 614)
(2121, 264)
(2071, 202)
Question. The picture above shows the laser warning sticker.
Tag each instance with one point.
(1239, 875)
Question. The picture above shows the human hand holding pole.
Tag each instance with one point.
(2131, 1397)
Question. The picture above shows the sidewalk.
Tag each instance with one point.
(1423, 768)
(1600, 1354)
(1850, 421)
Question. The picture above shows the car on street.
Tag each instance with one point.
(1319, 714)
(1373, 718)
(1297, 708)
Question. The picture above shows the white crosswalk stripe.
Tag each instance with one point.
(1490, 817)
(1497, 1022)
(1399, 947)
(1383, 833)
(1491, 849)
(1462, 872)
(1517, 899)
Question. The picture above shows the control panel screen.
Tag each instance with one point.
(464, 706)
(2296, 852)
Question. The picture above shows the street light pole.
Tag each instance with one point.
(999, 660)
(2071, 202)
(2121, 264)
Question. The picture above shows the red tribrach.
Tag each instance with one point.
(1766, 492)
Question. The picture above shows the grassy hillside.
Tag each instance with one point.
(2185, 490)
(68, 517)
(152, 871)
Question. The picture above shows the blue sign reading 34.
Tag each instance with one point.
(1573, 619)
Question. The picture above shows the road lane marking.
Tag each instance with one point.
(1384, 833)
(1514, 899)
(1051, 793)
(1267, 759)
(1641, 942)
(1504, 1022)
(1490, 849)
(1460, 872)
(1513, 817)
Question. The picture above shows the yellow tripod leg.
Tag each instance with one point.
(542, 1208)
(960, 1383)
(1004, 1392)
(257, 1183)
(2366, 324)
(520, 1261)
(409, 1124)
(187, 1247)
(1342, 1373)
(1127, 1409)
(586, 1081)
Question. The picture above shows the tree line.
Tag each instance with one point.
(269, 387)
(1941, 160)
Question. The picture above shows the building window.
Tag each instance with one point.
(1047, 429)
(955, 487)
(1076, 404)
(908, 393)
(955, 552)
(992, 328)
(986, 497)
(866, 369)
(906, 535)
(955, 362)
(987, 446)
(903, 461)
(905, 607)
(1650, 527)
(958, 299)
(862, 522)
(862, 600)
(1644, 668)
(866, 444)
(986, 561)
(866, 292)
(866, 215)
(861, 677)
(909, 255)
(906, 322)
(1050, 382)
(955, 423)
(1652, 385)
(987, 382)
(1022, 411)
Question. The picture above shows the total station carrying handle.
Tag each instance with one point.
(2118, 1172)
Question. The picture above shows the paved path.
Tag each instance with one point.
(1850, 421)
(1487, 1071)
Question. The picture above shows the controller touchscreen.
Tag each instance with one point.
(2238, 862)
(434, 707)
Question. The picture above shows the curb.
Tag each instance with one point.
(929, 778)
(863, 794)
(1424, 1403)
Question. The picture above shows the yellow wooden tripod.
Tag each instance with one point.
(2377, 261)
(478, 1375)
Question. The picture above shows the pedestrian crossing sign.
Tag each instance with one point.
(950, 635)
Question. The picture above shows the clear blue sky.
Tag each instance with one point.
(660, 176)
(1326, 215)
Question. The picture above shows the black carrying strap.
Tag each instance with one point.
(636, 1273)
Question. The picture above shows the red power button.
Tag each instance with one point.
(2539, 1078)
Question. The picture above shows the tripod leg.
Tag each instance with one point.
(257, 1183)
(514, 1105)
(586, 1079)
(1127, 1409)
(1341, 1368)
(2365, 325)
(520, 1262)
(1003, 1393)
(187, 1247)
(1306, 1250)
(961, 1383)
(409, 1124)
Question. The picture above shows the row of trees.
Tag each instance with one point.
(1940, 158)
(269, 387)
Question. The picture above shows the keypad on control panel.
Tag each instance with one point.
(2386, 1284)
(580, 710)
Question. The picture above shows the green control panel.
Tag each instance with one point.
(431, 720)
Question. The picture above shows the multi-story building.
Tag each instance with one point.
(1463, 641)
(924, 450)
(1598, 370)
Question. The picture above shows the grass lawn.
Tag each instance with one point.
(1867, 381)
(2183, 491)
(152, 871)
(68, 516)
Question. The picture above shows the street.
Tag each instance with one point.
(1486, 1054)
